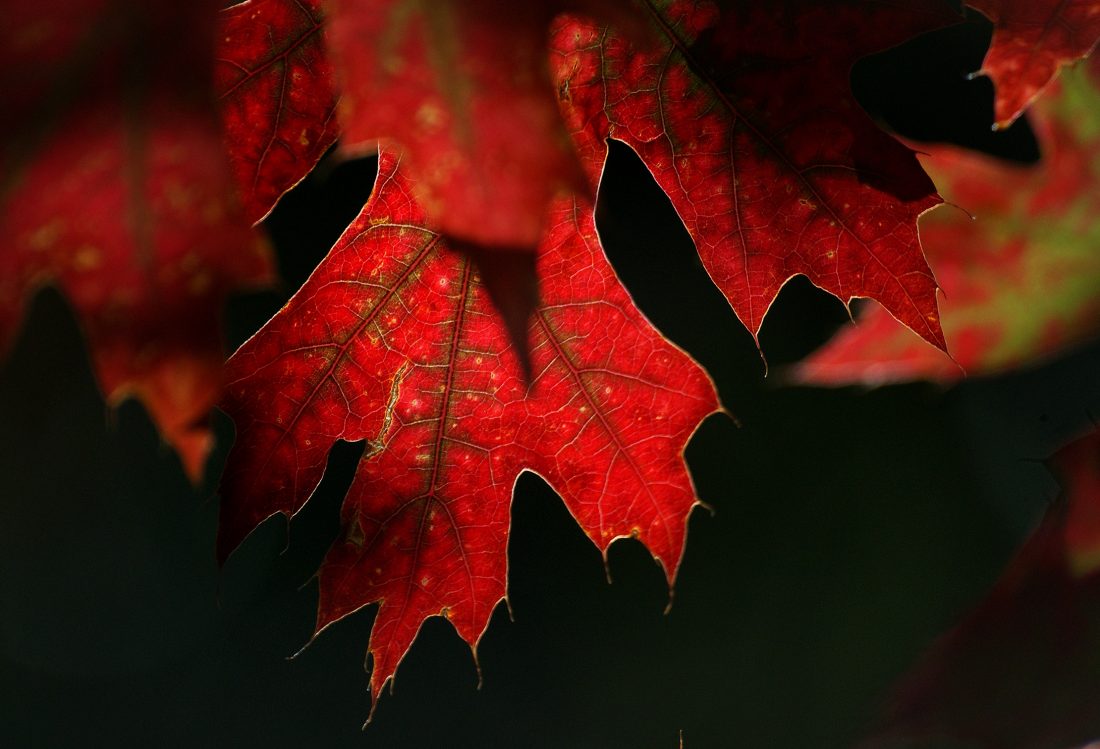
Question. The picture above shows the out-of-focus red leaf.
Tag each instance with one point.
(114, 188)
(747, 121)
(393, 341)
(1032, 39)
(464, 88)
(1022, 279)
(1020, 671)
(278, 96)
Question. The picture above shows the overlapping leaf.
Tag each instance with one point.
(1022, 278)
(1032, 39)
(278, 95)
(392, 340)
(464, 89)
(114, 188)
(1020, 671)
(745, 117)
(766, 156)
(747, 121)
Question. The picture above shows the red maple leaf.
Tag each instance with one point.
(393, 341)
(747, 121)
(1019, 672)
(1022, 277)
(115, 189)
(1032, 39)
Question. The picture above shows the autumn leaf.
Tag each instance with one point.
(1032, 40)
(115, 189)
(1020, 671)
(463, 87)
(747, 122)
(393, 341)
(277, 94)
(1022, 278)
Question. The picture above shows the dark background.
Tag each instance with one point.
(850, 527)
